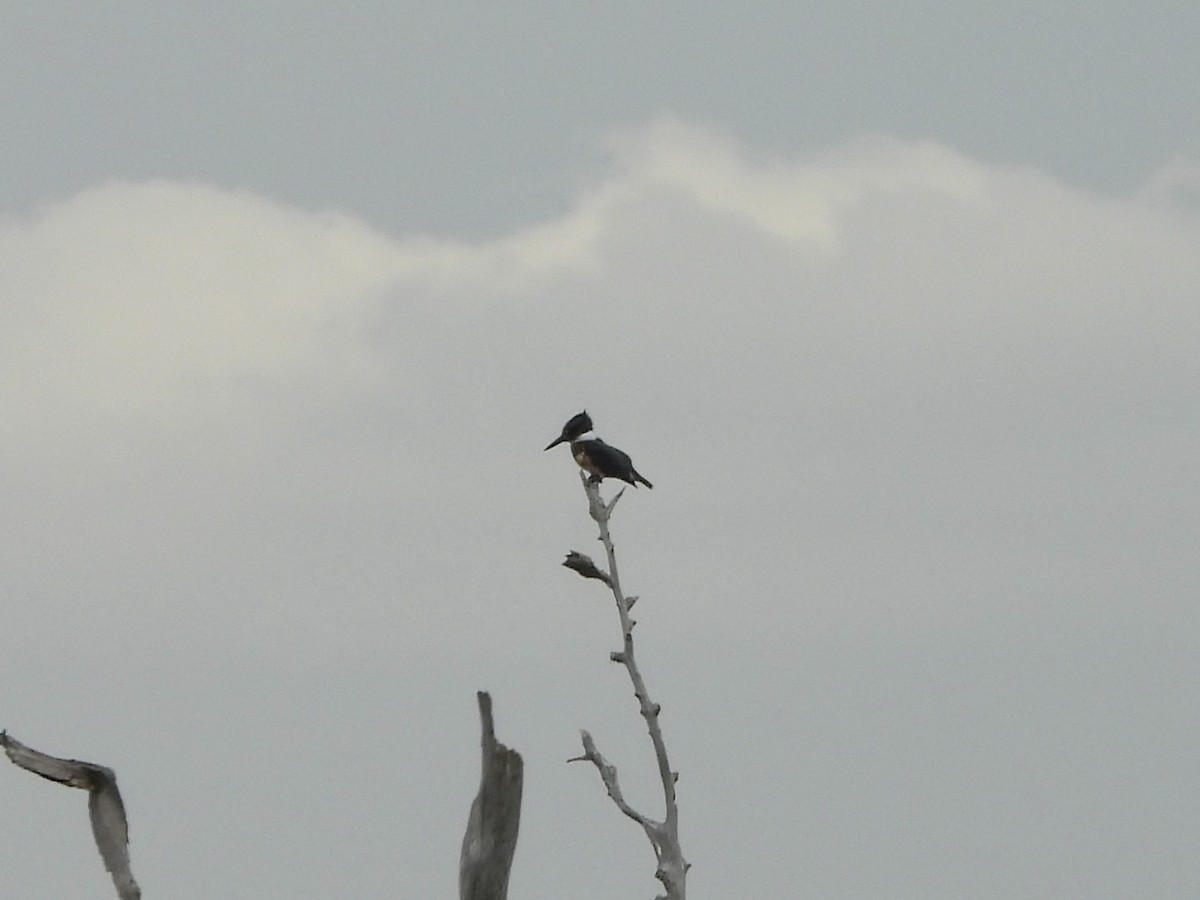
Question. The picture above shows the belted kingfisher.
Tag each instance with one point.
(593, 455)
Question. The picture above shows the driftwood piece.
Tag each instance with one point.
(491, 837)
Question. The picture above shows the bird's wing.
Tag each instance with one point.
(616, 459)
(65, 771)
(111, 830)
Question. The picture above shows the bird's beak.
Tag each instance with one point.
(554, 443)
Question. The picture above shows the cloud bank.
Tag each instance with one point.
(923, 435)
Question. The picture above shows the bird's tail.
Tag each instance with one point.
(637, 478)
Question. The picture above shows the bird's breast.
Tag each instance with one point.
(585, 462)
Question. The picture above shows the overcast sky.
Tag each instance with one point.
(897, 304)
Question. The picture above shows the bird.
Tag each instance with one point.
(598, 459)
(109, 825)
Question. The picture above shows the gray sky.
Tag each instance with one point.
(895, 304)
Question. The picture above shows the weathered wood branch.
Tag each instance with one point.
(583, 564)
(664, 834)
(109, 825)
(491, 837)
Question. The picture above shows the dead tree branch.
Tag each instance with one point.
(664, 834)
(491, 837)
(585, 567)
(107, 811)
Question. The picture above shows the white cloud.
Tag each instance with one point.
(872, 266)
(125, 289)
(128, 293)
(796, 201)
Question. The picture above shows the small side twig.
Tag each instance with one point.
(608, 775)
(584, 566)
(663, 835)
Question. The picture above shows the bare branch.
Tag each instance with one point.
(608, 774)
(664, 835)
(491, 837)
(109, 825)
